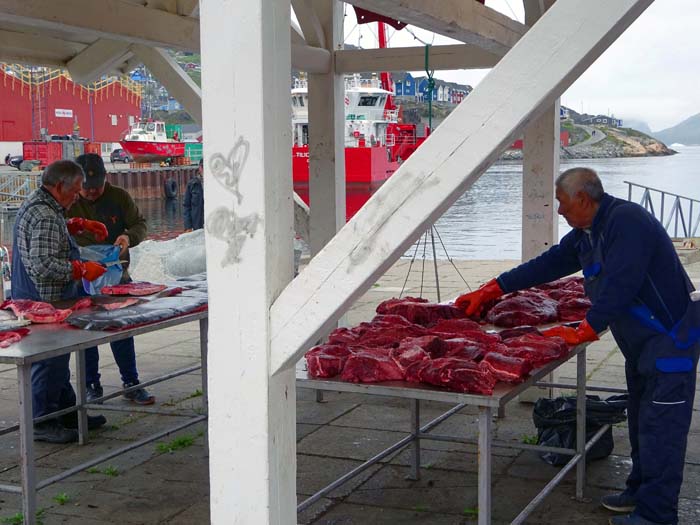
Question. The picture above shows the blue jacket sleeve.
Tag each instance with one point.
(559, 261)
(627, 254)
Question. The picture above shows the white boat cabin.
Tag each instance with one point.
(153, 131)
(366, 116)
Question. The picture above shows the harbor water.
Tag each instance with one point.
(485, 223)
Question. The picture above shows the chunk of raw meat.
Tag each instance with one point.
(573, 309)
(326, 360)
(431, 371)
(506, 368)
(523, 308)
(116, 305)
(406, 355)
(85, 302)
(456, 326)
(12, 336)
(137, 288)
(509, 333)
(419, 311)
(537, 350)
(390, 319)
(371, 365)
(565, 283)
(343, 336)
(560, 295)
(469, 380)
(36, 311)
(464, 348)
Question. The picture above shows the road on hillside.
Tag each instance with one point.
(595, 136)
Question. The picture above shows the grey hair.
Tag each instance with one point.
(65, 171)
(586, 180)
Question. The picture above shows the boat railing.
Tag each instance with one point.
(401, 139)
(365, 113)
(678, 214)
(15, 187)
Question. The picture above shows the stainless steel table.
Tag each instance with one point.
(51, 340)
(503, 393)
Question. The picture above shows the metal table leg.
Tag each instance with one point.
(80, 395)
(581, 422)
(415, 430)
(26, 442)
(203, 349)
(485, 414)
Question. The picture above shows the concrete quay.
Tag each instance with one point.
(167, 481)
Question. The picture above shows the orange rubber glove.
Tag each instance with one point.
(573, 336)
(470, 302)
(90, 270)
(78, 225)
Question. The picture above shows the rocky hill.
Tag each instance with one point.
(687, 132)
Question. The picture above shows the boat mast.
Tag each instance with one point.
(385, 76)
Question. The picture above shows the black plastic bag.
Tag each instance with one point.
(555, 420)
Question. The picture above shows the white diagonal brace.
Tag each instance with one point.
(559, 48)
(311, 59)
(32, 49)
(113, 19)
(457, 56)
(309, 22)
(464, 20)
(169, 73)
(97, 59)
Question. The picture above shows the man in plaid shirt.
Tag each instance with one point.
(46, 266)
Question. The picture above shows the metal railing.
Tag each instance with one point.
(15, 187)
(679, 218)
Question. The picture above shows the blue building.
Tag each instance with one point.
(406, 86)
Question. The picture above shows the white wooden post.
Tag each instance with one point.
(326, 143)
(540, 169)
(248, 216)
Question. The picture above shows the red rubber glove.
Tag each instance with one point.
(78, 225)
(573, 336)
(470, 302)
(90, 270)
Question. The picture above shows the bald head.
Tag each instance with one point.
(577, 180)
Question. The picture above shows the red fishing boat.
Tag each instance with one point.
(148, 142)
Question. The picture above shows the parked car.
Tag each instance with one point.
(15, 160)
(120, 155)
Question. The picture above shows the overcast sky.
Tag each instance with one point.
(650, 73)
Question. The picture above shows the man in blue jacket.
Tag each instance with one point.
(639, 290)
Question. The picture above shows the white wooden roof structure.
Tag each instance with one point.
(261, 321)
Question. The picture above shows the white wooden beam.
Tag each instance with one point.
(464, 20)
(113, 19)
(311, 59)
(526, 81)
(309, 22)
(326, 137)
(33, 49)
(248, 206)
(97, 59)
(169, 73)
(447, 57)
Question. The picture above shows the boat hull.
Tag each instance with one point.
(142, 151)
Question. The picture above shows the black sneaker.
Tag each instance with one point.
(94, 391)
(621, 502)
(54, 432)
(140, 396)
(70, 421)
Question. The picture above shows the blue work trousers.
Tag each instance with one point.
(124, 355)
(51, 388)
(659, 412)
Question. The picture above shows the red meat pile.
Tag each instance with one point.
(563, 300)
(439, 348)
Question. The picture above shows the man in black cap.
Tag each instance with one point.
(113, 206)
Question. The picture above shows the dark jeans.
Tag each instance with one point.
(124, 356)
(51, 388)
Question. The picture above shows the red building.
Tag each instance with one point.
(32, 100)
